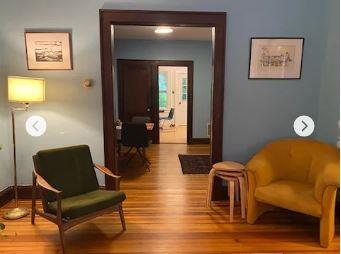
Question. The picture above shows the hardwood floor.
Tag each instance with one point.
(165, 213)
(174, 135)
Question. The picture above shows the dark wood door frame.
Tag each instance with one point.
(217, 20)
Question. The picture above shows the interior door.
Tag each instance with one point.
(181, 98)
(135, 91)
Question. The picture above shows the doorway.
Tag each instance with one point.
(139, 95)
(214, 20)
(173, 102)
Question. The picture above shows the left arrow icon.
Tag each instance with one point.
(35, 126)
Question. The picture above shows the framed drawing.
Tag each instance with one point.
(276, 58)
(48, 50)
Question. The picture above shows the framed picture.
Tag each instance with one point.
(276, 58)
(48, 50)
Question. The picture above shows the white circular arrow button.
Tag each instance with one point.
(35, 126)
(304, 126)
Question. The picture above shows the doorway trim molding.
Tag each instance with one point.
(109, 17)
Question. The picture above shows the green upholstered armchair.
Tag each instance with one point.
(70, 190)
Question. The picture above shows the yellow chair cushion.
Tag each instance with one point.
(292, 195)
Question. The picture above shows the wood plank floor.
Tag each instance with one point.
(165, 213)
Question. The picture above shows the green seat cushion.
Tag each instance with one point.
(87, 203)
(69, 169)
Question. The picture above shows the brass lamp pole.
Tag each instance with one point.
(24, 90)
(17, 212)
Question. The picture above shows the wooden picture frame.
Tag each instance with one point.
(276, 57)
(48, 50)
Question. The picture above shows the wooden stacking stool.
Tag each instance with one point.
(235, 175)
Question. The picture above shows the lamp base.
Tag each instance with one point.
(16, 213)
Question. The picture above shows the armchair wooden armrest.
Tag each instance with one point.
(40, 181)
(43, 183)
(109, 173)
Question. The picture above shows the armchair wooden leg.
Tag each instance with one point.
(33, 212)
(120, 210)
(62, 240)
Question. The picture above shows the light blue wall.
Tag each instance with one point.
(329, 103)
(254, 111)
(5, 135)
(198, 51)
(73, 114)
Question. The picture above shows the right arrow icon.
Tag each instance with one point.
(304, 126)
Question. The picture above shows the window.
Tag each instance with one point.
(163, 90)
(184, 89)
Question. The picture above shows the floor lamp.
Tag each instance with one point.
(22, 90)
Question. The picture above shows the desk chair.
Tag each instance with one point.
(135, 135)
(168, 118)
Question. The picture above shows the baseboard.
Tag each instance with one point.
(193, 141)
(25, 192)
(6, 195)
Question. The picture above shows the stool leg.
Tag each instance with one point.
(236, 189)
(210, 187)
(231, 188)
(246, 185)
(242, 195)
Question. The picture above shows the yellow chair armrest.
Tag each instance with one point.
(262, 169)
(329, 176)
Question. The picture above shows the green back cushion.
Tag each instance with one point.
(68, 169)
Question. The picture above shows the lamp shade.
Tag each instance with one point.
(25, 89)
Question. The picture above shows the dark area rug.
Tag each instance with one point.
(195, 163)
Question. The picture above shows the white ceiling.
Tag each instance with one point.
(147, 32)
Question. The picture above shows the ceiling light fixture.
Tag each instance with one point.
(163, 30)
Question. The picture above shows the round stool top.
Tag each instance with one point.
(229, 166)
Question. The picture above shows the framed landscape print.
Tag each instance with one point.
(276, 58)
(48, 51)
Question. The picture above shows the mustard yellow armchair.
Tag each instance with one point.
(299, 175)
